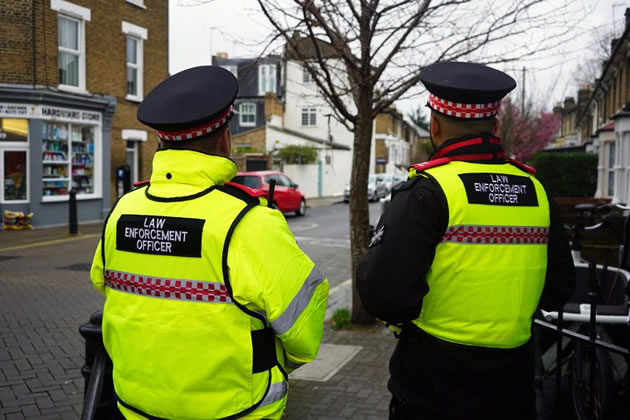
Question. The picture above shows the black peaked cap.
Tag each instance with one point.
(189, 98)
(467, 83)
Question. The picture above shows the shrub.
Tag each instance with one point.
(567, 174)
(298, 155)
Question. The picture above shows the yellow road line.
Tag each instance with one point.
(51, 242)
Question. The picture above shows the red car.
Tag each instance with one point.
(286, 194)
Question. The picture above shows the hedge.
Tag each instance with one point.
(567, 174)
(298, 154)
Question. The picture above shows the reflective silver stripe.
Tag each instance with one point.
(500, 235)
(276, 392)
(299, 302)
(173, 289)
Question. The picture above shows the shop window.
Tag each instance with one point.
(247, 114)
(15, 175)
(14, 160)
(68, 159)
(132, 159)
(309, 117)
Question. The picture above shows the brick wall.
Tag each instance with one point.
(16, 42)
(105, 57)
(256, 138)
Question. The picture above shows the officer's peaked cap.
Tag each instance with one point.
(465, 90)
(191, 103)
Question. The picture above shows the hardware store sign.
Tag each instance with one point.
(46, 112)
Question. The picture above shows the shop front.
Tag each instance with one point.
(51, 145)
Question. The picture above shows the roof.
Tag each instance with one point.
(600, 81)
(607, 127)
(332, 144)
(305, 48)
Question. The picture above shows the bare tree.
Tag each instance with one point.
(365, 54)
(589, 67)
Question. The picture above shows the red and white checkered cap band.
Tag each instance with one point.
(510, 235)
(191, 133)
(174, 289)
(458, 110)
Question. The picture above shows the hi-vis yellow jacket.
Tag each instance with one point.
(489, 269)
(209, 300)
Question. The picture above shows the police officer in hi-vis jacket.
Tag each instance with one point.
(209, 300)
(469, 247)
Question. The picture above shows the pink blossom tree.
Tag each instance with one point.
(526, 131)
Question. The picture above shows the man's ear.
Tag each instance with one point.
(495, 126)
(225, 142)
(434, 127)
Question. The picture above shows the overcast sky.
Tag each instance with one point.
(236, 26)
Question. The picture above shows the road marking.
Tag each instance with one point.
(328, 242)
(298, 227)
(339, 297)
(51, 242)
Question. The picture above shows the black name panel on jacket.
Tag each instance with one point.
(499, 189)
(160, 235)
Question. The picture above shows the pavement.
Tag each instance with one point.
(45, 294)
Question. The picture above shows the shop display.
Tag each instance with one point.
(17, 220)
(68, 159)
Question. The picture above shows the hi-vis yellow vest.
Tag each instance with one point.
(489, 269)
(215, 356)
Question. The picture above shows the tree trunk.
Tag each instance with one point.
(359, 211)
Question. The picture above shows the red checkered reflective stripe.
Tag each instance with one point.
(460, 110)
(174, 289)
(472, 234)
(191, 133)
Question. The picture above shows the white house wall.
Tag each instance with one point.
(622, 164)
(334, 175)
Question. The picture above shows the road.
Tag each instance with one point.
(324, 234)
(45, 294)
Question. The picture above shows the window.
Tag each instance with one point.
(132, 159)
(248, 180)
(70, 52)
(67, 159)
(309, 116)
(139, 3)
(611, 146)
(266, 78)
(232, 69)
(306, 76)
(135, 60)
(247, 114)
(14, 160)
(71, 44)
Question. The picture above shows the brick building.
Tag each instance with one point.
(71, 78)
(397, 142)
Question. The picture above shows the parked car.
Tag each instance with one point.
(286, 194)
(391, 179)
(376, 189)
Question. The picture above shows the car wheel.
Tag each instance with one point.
(301, 211)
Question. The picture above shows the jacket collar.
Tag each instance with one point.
(190, 170)
(476, 148)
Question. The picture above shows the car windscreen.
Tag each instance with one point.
(247, 180)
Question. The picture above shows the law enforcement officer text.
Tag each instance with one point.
(499, 189)
(164, 235)
(153, 237)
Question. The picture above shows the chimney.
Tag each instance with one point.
(569, 104)
(558, 109)
(627, 15)
(223, 55)
(584, 94)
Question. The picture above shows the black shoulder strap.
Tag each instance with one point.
(238, 193)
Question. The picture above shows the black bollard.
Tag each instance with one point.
(72, 211)
(99, 401)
